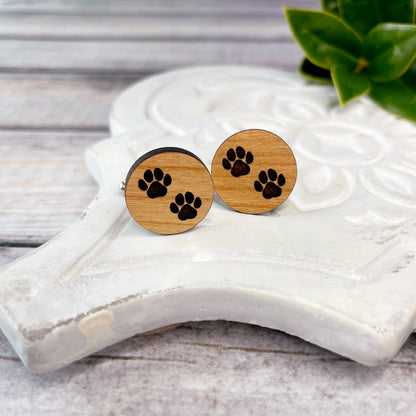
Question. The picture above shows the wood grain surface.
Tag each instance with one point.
(169, 190)
(62, 64)
(254, 171)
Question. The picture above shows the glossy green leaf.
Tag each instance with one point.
(313, 72)
(398, 97)
(348, 83)
(324, 38)
(363, 15)
(330, 6)
(390, 48)
(409, 78)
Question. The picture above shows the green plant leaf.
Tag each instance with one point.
(390, 49)
(313, 72)
(348, 83)
(409, 78)
(398, 96)
(324, 38)
(330, 6)
(363, 15)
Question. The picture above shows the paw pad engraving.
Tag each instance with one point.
(186, 206)
(238, 161)
(158, 183)
(266, 184)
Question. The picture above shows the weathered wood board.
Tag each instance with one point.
(234, 368)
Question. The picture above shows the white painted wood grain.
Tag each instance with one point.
(211, 368)
(130, 28)
(9, 254)
(204, 368)
(75, 102)
(44, 185)
(144, 55)
(234, 8)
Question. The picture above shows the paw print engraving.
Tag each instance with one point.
(158, 183)
(184, 210)
(267, 185)
(238, 161)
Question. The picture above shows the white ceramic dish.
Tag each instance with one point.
(334, 265)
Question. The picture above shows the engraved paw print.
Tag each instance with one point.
(184, 210)
(158, 183)
(238, 161)
(267, 185)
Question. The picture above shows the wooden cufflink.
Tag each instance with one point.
(254, 171)
(168, 190)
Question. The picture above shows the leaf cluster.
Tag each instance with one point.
(361, 46)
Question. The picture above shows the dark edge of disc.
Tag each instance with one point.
(155, 152)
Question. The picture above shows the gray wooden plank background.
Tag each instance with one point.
(61, 65)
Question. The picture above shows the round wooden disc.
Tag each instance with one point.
(254, 171)
(168, 190)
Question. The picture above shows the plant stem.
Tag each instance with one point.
(362, 64)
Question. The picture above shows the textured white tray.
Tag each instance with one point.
(335, 265)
